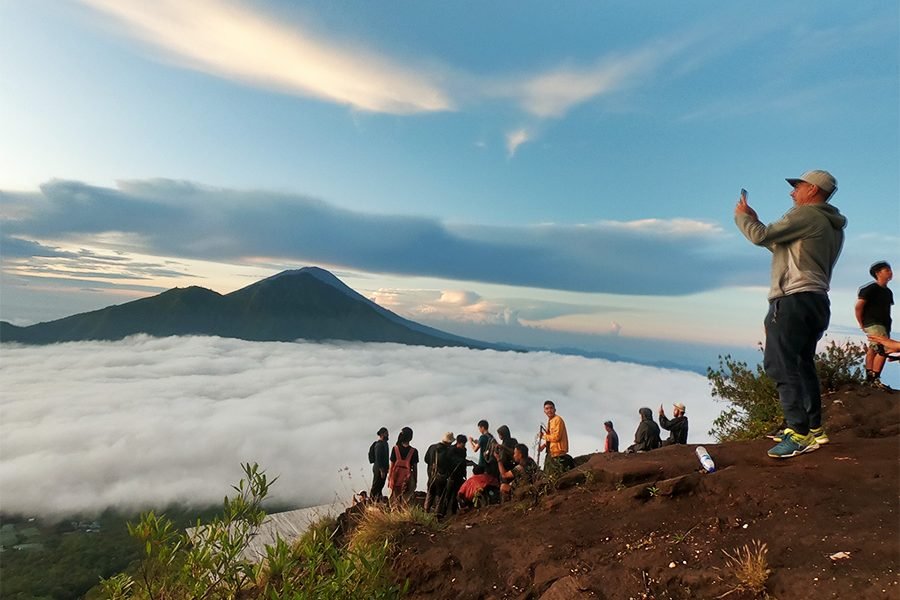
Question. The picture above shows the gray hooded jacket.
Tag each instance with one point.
(805, 245)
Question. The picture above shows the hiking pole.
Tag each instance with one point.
(540, 441)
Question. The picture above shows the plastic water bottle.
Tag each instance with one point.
(706, 460)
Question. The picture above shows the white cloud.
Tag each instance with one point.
(146, 422)
(516, 138)
(554, 92)
(241, 44)
(666, 227)
(459, 297)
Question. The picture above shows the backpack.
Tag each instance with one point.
(372, 453)
(401, 471)
(487, 453)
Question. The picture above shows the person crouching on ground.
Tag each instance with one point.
(677, 426)
(404, 469)
(525, 472)
(479, 490)
(646, 438)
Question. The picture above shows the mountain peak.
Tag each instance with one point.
(308, 303)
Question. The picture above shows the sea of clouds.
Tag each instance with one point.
(147, 422)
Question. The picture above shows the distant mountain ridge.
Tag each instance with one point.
(308, 303)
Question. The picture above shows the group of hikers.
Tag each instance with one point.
(503, 465)
(805, 244)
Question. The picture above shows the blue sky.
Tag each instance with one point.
(517, 171)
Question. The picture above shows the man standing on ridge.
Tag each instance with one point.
(873, 313)
(556, 439)
(378, 454)
(436, 481)
(805, 244)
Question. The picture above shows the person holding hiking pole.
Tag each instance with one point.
(556, 440)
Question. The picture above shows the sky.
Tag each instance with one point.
(147, 422)
(513, 171)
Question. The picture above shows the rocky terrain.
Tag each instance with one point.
(654, 526)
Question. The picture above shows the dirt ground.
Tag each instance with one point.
(653, 526)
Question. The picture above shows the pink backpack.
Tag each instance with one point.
(401, 471)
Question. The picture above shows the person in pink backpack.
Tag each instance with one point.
(404, 469)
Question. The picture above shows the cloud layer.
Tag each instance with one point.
(146, 422)
(184, 220)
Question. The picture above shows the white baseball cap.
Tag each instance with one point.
(823, 180)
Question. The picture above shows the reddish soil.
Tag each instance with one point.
(652, 526)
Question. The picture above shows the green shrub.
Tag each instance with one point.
(209, 563)
(754, 408)
(840, 364)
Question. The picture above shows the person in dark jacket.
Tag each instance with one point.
(677, 426)
(646, 437)
(506, 447)
(452, 468)
(436, 480)
(380, 466)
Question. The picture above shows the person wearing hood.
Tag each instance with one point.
(646, 437)
(805, 244)
(506, 447)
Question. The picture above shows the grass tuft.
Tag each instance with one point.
(385, 527)
(750, 566)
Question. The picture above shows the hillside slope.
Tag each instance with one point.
(653, 526)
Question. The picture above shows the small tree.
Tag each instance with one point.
(754, 408)
(210, 563)
(840, 364)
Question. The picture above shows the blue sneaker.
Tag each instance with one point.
(793, 444)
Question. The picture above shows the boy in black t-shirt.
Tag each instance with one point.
(873, 313)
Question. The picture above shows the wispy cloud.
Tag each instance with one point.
(144, 423)
(242, 44)
(514, 139)
(555, 92)
(28, 257)
(174, 219)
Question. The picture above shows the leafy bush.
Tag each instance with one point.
(840, 364)
(210, 563)
(754, 408)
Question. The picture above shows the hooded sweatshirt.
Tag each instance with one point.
(805, 244)
(646, 437)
